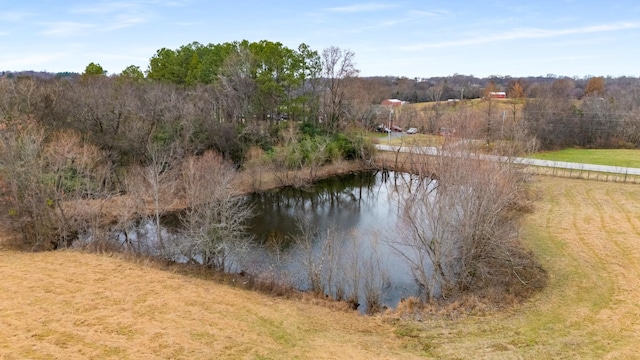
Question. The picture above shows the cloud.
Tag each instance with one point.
(173, 3)
(66, 28)
(15, 16)
(425, 14)
(366, 7)
(26, 60)
(524, 33)
(105, 8)
(410, 16)
(125, 21)
(115, 15)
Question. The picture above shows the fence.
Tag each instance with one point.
(404, 157)
(587, 174)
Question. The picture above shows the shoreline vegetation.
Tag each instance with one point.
(260, 179)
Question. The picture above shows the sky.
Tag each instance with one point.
(412, 38)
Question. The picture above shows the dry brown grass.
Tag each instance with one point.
(70, 305)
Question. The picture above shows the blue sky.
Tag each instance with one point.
(404, 38)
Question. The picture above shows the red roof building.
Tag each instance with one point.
(393, 102)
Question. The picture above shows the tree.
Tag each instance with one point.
(53, 184)
(160, 175)
(27, 193)
(214, 220)
(458, 232)
(551, 116)
(516, 90)
(132, 72)
(337, 70)
(18, 97)
(236, 84)
(490, 88)
(600, 123)
(434, 93)
(93, 69)
(563, 88)
(278, 72)
(164, 66)
(310, 80)
(364, 99)
(595, 87)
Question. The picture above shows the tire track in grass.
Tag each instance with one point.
(606, 311)
(617, 225)
(561, 320)
(624, 196)
(579, 289)
(622, 231)
(579, 217)
(617, 229)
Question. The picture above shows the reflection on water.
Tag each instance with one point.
(355, 217)
(333, 237)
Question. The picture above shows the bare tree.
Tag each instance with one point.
(53, 183)
(364, 98)
(434, 93)
(375, 277)
(337, 70)
(80, 176)
(453, 229)
(214, 220)
(313, 260)
(551, 116)
(235, 87)
(26, 194)
(160, 176)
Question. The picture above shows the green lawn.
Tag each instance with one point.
(613, 157)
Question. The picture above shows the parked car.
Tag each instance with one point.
(383, 129)
(396, 128)
(412, 131)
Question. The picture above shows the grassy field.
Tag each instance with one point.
(68, 305)
(613, 157)
(586, 234)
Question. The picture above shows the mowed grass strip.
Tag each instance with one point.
(611, 157)
(69, 305)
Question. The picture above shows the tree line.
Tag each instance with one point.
(268, 82)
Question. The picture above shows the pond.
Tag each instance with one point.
(334, 237)
(337, 237)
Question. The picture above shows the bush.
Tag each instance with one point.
(311, 130)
